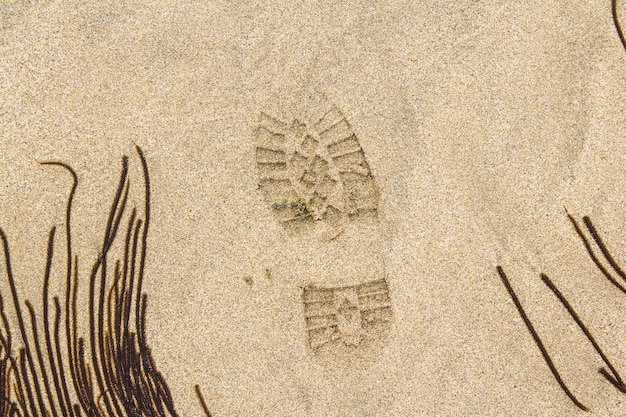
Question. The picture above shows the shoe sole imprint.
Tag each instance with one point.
(317, 172)
(347, 319)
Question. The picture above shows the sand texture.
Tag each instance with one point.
(312, 209)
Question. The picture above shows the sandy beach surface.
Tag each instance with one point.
(332, 186)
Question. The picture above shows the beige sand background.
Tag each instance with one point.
(480, 121)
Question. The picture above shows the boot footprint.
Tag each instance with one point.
(314, 174)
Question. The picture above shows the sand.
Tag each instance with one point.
(371, 289)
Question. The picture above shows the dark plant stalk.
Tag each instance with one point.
(47, 333)
(109, 371)
(537, 339)
(68, 284)
(617, 24)
(613, 377)
(202, 402)
(25, 352)
(605, 251)
(592, 254)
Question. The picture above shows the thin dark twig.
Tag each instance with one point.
(27, 384)
(20, 319)
(592, 255)
(607, 255)
(110, 367)
(617, 24)
(40, 358)
(47, 332)
(59, 356)
(202, 402)
(614, 378)
(111, 227)
(538, 342)
(68, 283)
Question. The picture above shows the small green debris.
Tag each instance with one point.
(301, 209)
(248, 280)
(268, 273)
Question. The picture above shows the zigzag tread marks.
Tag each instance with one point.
(268, 139)
(270, 169)
(316, 169)
(272, 124)
(309, 145)
(336, 132)
(367, 315)
(328, 120)
(295, 172)
(344, 146)
(326, 186)
(353, 159)
(265, 155)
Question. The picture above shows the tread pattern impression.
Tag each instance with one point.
(316, 172)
